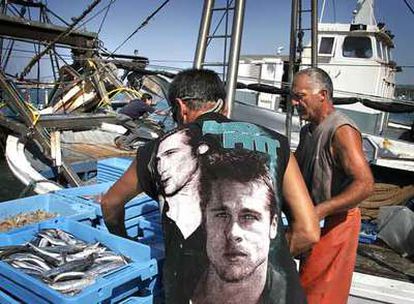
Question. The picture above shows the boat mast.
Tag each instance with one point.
(292, 65)
(205, 37)
(296, 36)
(314, 33)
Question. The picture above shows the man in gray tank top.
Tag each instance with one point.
(338, 177)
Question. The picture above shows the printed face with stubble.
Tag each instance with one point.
(239, 228)
(176, 163)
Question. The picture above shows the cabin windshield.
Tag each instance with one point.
(357, 47)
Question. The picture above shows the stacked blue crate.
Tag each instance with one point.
(138, 206)
(111, 169)
(54, 204)
(147, 229)
(139, 300)
(137, 277)
(6, 298)
(150, 233)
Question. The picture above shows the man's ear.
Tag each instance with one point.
(273, 227)
(225, 110)
(182, 110)
(324, 95)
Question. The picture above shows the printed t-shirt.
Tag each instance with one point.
(169, 172)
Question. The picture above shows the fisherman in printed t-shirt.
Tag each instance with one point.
(197, 99)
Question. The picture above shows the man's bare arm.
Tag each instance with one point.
(305, 229)
(347, 149)
(113, 202)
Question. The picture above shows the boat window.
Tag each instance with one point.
(389, 54)
(379, 50)
(357, 47)
(326, 46)
(385, 49)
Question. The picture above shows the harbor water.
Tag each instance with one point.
(11, 187)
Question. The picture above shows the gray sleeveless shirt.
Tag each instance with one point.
(323, 175)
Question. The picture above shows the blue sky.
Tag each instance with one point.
(170, 38)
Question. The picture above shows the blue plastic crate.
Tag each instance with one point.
(111, 169)
(142, 204)
(150, 229)
(138, 276)
(368, 232)
(6, 298)
(138, 300)
(86, 192)
(133, 226)
(74, 209)
(151, 234)
(145, 232)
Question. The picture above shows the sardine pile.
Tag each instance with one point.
(60, 260)
(25, 218)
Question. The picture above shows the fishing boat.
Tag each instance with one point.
(55, 132)
(365, 104)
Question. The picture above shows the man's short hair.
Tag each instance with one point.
(146, 96)
(320, 78)
(236, 165)
(196, 87)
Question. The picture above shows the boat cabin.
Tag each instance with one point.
(358, 59)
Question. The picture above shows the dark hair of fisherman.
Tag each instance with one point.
(235, 165)
(196, 87)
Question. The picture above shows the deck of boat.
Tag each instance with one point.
(84, 151)
(377, 259)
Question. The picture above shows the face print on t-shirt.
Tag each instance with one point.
(176, 163)
(178, 172)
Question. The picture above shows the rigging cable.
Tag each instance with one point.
(93, 16)
(65, 33)
(56, 16)
(409, 6)
(141, 26)
(104, 17)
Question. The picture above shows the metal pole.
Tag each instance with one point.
(314, 44)
(237, 30)
(3, 9)
(226, 33)
(292, 63)
(203, 33)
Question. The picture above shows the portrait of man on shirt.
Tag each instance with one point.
(240, 220)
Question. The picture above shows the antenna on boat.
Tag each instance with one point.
(322, 11)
